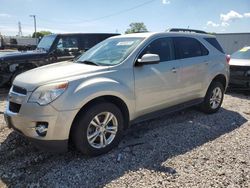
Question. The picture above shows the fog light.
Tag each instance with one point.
(41, 128)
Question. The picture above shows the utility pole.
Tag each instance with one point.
(20, 29)
(34, 17)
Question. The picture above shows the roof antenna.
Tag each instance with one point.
(188, 27)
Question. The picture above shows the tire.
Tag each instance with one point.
(83, 130)
(213, 99)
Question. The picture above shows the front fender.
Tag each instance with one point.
(77, 97)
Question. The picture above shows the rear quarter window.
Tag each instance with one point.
(215, 44)
(187, 47)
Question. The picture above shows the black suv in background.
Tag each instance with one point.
(52, 48)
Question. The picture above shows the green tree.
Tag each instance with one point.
(136, 27)
(41, 34)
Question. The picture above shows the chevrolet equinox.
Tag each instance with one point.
(120, 81)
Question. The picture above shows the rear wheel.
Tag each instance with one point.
(99, 129)
(213, 99)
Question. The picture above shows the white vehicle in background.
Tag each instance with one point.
(240, 69)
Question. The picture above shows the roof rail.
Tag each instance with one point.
(186, 30)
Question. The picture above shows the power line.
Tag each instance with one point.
(14, 23)
(106, 16)
(91, 20)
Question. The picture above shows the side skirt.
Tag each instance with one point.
(165, 111)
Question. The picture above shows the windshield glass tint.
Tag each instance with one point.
(244, 53)
(46, 42)
(111, 51)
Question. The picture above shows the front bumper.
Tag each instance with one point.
(239, 78)
(239, 83)
(45, 145)
(25, 121)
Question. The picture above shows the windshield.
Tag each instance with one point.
(244, 53)
(46, 42)
(111, 51)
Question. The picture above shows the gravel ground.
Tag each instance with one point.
(183, 149)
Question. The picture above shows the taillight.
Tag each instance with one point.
(228, 58)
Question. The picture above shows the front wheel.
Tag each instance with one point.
(98, 129)
(213, 99)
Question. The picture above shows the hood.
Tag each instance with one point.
(20, 55)
(63, 71)
(239, 62)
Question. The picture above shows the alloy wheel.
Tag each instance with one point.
(216, 98)
(102, 130)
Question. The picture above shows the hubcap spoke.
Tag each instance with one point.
(108, 118)
(104, 139)
(111, 130)
(218, 100)
(214, 94)
(213, 104)
(101, 140)
(97, 120)
(94, 123)
(218, 92)
(216, 97)
(93, 136)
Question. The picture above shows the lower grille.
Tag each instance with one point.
(238, 68)
(237, 73)
(14, 107)
(241, 71)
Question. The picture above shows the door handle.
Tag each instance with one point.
(174, 70)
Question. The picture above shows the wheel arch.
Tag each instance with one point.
(105, 98)
(220, 78)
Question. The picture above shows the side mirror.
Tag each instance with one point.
(148, 59)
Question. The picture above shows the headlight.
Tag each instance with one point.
(48, 93)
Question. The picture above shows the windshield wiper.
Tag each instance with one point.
(88, 62)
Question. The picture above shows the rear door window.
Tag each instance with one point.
(162, 47)
(186, 47)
